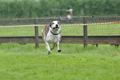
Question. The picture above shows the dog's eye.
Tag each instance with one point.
(52, 23)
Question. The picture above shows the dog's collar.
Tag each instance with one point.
(55, 33)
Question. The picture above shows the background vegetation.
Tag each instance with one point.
(40, 8)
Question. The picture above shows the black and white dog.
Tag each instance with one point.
(51, 34)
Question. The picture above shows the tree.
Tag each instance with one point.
(41, 8)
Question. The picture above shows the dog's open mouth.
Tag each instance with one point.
(56, 28)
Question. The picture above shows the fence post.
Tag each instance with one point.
(10, 21)
(36, 34)
(85, 37)
(26, 19)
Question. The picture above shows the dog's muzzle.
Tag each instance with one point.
(57, 27)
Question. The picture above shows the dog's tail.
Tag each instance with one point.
(42, 34)
(42, 31)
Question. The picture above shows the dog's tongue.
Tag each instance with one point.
(56, 28)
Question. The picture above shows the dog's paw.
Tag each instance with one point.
(49, 52)
(51, 48)
(59, 50)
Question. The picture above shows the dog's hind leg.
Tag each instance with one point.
(53, 46)
(58, 47)
(48, 47)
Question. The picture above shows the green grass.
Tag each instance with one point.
(107, 29)
(24, 62)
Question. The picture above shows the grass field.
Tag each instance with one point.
(108, 29)
(24, 62)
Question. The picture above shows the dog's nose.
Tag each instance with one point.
(56, 25)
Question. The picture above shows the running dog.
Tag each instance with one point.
(51, 34)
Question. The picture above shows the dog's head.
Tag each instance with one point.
(55, 25)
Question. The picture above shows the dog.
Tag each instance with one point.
(51, 34)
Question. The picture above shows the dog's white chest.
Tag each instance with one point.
(52, 38)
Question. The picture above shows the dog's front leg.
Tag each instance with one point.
(48, 47)
(58, 47)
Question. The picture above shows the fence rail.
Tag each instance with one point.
(63, 24)
(108, 39)
(75, 19)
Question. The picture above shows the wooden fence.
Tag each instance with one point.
(85, 39)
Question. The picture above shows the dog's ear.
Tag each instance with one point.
(59, 22)
(50, 24)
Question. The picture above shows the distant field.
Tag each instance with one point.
(108, 29)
